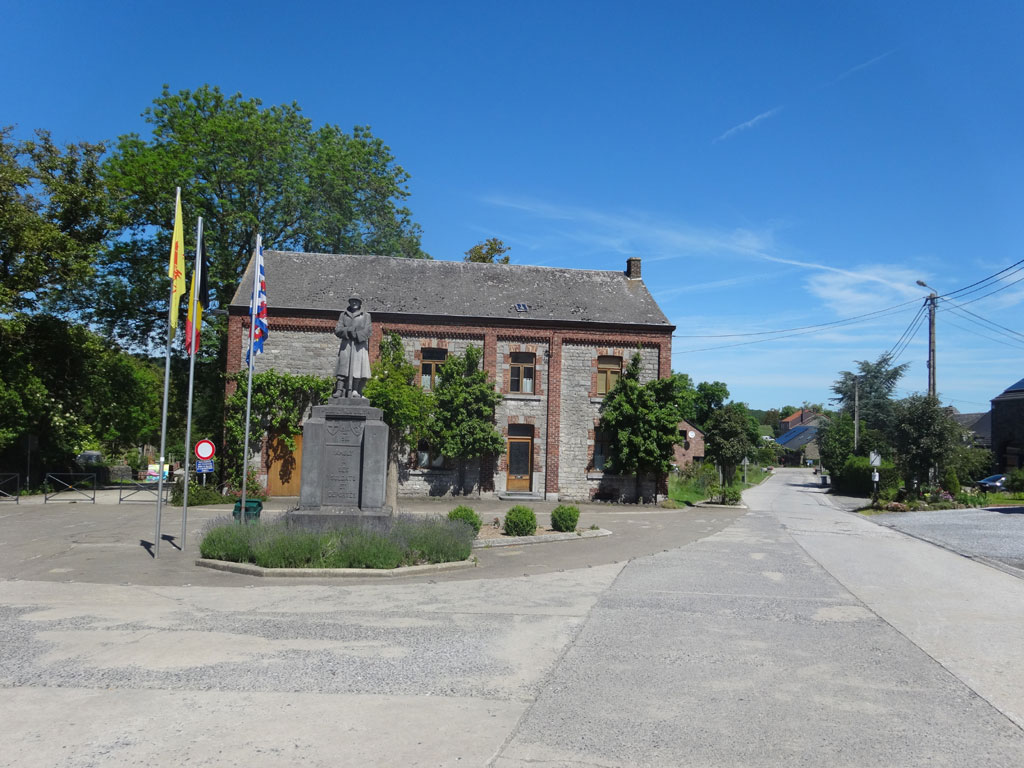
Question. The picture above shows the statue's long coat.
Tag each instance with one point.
(353, 329)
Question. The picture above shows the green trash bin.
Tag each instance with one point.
(253, 507)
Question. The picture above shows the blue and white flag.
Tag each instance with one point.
(258, 304)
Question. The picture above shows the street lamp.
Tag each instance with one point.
(933, 299)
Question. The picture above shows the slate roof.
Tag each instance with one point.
(324, 282)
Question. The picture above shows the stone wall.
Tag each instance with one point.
(580, 414)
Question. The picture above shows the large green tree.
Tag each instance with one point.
(924, 437)
(406, 407)
(246, 169)
(462, 425)
(870, 390)
(711, 396)
(53, 222)
(641, 422)
(730, 436)
(67, 390)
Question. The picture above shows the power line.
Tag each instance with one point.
(984, 280)
(788, 330)
(990, 293)
(960, 310)
(908, 331)
(919, 321)
(983, 335)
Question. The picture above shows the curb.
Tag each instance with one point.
(248, 569)
(512, 541)
(708, 505)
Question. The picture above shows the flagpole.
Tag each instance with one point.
(253, 309)
(193, 338)
(167, 388)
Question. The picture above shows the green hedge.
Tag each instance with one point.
(854, 479)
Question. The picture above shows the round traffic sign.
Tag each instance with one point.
(205, 449)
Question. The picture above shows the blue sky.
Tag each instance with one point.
(775, 165)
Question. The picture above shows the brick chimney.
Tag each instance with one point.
(633, 268)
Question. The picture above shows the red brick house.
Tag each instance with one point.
(692, 447)
(554, 342)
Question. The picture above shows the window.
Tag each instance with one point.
(600, 449)
(521, 379)
(432, 360)
(427, 458)
(608, 371)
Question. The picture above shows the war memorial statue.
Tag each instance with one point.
(345, 443)
(353, 368)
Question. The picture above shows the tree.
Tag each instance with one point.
(68, 390)
(462, 425)
(686, 397)
(924, 437)
(642, 423)
(728, 438)
(53, 220)
(871, 388)
(246, 169)
(835, 442)
(490, 251)
(406, 407)
(710, 397)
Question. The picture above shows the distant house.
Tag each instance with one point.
(802, 418)
(1008, 427)
(692, 447)
(979, 425)
(554, 342)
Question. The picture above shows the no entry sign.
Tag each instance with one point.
(205, 449)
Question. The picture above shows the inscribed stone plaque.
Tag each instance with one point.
(342, 484)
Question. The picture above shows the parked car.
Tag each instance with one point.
(993, 483)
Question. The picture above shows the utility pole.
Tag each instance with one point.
(856, 412)
(933, 300)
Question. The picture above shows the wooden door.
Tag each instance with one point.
(284, 475)
(520, 463)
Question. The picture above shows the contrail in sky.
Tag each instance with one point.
(749, 124)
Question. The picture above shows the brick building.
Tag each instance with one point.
(554, 342)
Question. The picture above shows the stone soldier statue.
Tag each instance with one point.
(353, 368)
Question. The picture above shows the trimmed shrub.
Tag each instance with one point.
(520, 521)
(855, 477)
(564, 517)
(731, 495)
(466, 515)
(227, 541)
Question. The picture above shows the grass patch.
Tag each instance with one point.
(389, 543)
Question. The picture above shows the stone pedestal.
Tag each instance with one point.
(344, 464)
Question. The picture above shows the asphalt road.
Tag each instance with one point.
(792, 634)
(996, 533)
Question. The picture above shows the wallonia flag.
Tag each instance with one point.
(198, 300)
(176, 268)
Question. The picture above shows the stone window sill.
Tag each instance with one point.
(426, 472)
(597, 399)
(517, 396)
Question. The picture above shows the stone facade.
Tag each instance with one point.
(692, 448)
(1008, 428)
(581, 411)
(562, 411)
